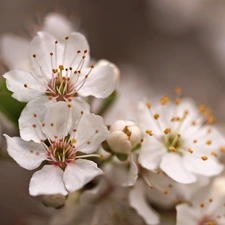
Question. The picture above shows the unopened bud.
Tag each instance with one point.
(55, 201)
(124, 136)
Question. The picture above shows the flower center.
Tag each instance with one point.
(61, 152)
(173, 143)
(207, 220)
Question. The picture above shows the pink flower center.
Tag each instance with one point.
(61, 153)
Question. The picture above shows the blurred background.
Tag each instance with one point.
(157, 44)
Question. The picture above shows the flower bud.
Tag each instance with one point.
(55, 201)
(124, 136)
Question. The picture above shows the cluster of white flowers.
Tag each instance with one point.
(130, 172)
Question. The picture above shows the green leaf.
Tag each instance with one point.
(9, 106)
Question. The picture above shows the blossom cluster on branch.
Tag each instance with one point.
(127, 172)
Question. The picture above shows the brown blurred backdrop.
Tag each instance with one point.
(166, 42)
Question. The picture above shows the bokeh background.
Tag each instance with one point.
(157, 44)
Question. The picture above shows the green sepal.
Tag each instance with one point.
(137, 147)
(106, 147)
(107, 103)
(122, 156)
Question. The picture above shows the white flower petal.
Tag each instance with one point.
(145, 119)
(137, 201)
(24, 86)
(90, 133)
(132, 173)
(209, 167)
(187, 215)
(77, 174)
(100, 82)
(58, 120)
(28, 155)
(53, 21)
(42, 45)
(14, 51)
(31, 119)
(172, 165)
(47, 181)
(151, 153)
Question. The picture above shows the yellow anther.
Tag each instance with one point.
(204, 158)
(156, 116)
(178, 101)
(202, 108)
(61, 67)
(210, 200)
(209, 142)
(165, 100)
(209, 131)
(178, 135)
(211, 120)
(186, 112)
(202, 205)
(190, 150)
(73, 141)
(148, 105)
(179, 201)
(193, 123)
(165, 192)
(173, 149)
(222, 149)
(167, 130)
(214, 154)
(149, 132)
(177, 90)
(177, 118)
(195, 141)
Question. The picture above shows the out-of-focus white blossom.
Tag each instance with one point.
(178, 139)
(206, 207)
(106, 203)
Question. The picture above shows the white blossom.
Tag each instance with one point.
(62, 140)
(178, 139)
(206, 207)
(60, 71)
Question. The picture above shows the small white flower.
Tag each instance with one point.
(61, 139)
(125, 135)
(178, 140)
(61, 71)
(204, 208)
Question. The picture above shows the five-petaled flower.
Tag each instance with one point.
(61, 140)
(61, 71)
